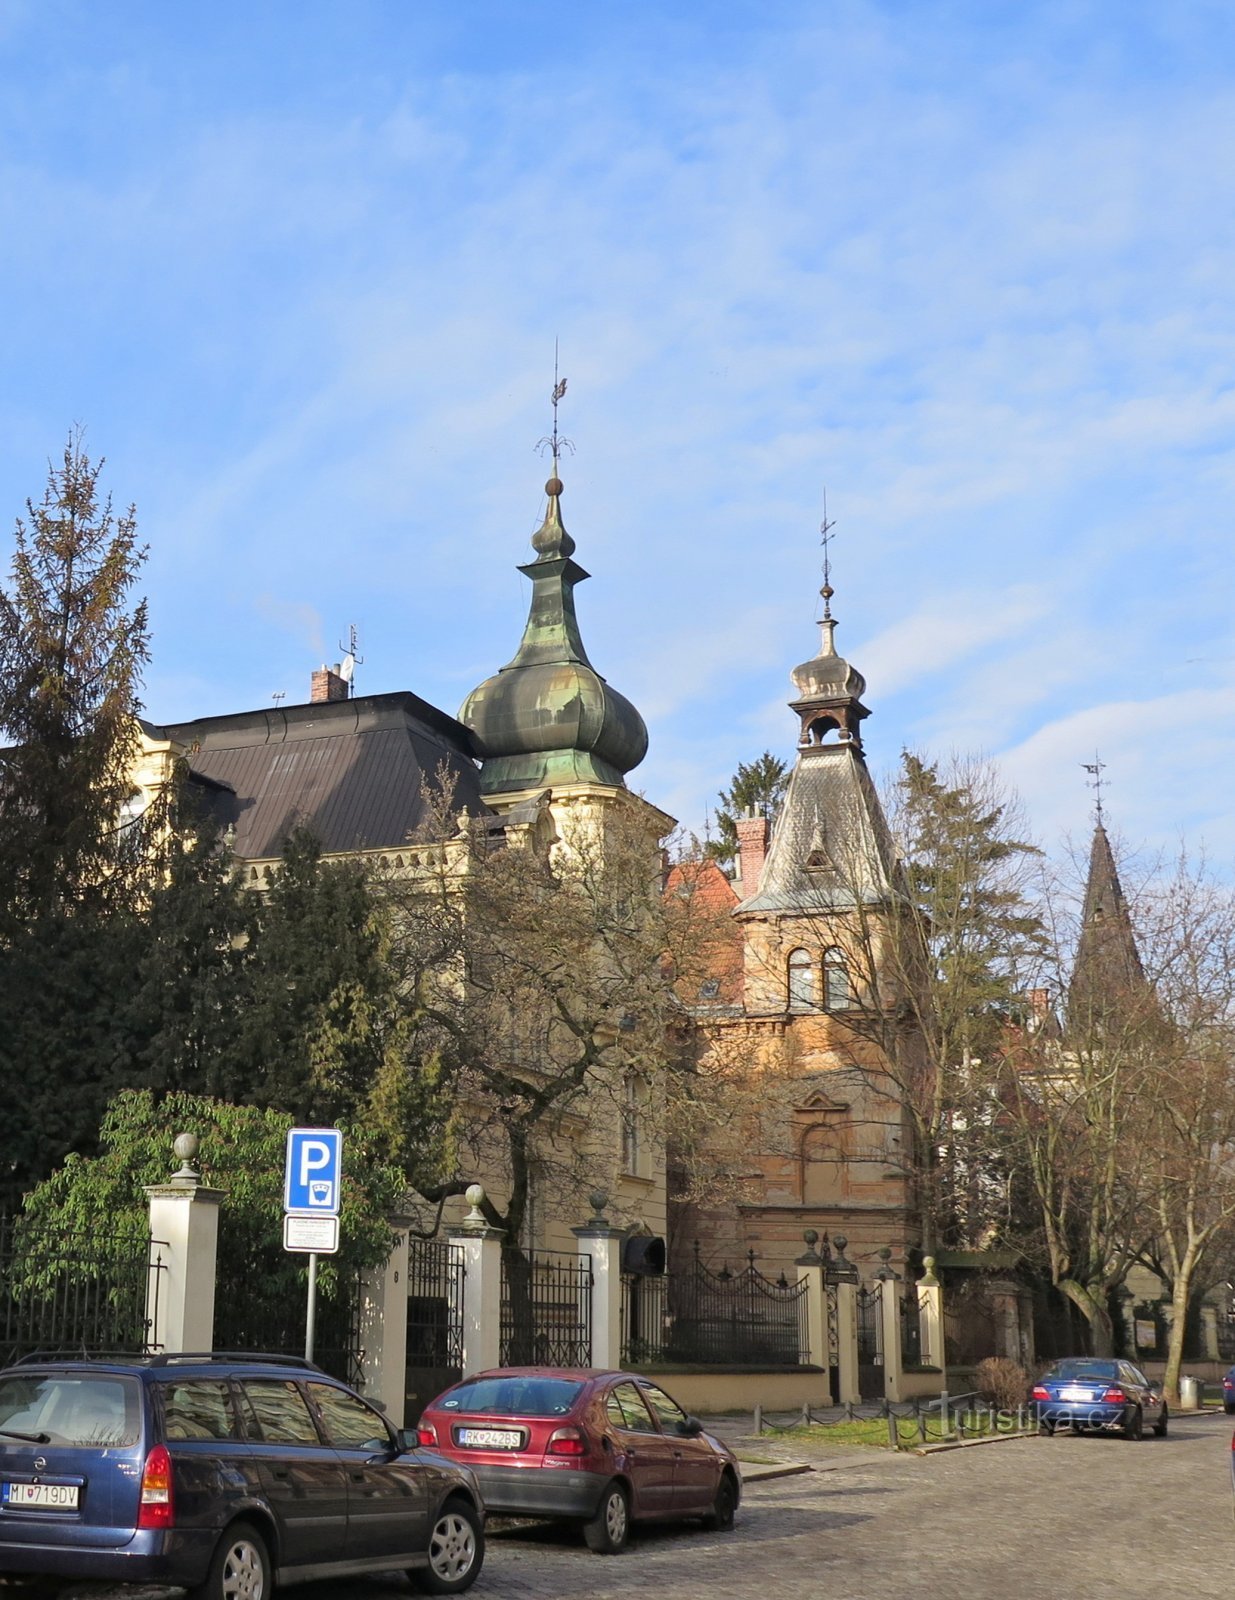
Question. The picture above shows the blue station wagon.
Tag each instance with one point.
(224, 1474)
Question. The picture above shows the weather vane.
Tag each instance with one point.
(555, 441)
(1095, 769)
(825, 538)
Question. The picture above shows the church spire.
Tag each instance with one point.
(1107, 976)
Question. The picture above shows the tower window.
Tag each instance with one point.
(630, 1125)
(801, 981)
(837, 995)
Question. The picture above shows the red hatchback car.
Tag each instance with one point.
(604, 1449)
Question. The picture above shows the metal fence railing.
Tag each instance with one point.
(435, 1274)
(65, 1292)
(546, 1309)
(715, 1318)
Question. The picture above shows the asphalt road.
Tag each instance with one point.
(1044, 1519)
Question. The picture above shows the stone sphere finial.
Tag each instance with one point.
(598, 1200)
(811, 1236)
(841, 1243)
(474, 1195)
(186, 1146)
(886, 1253)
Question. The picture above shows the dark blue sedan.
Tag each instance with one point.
(1228, 1391)
(1099, 1393)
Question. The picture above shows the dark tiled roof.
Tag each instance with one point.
(831, 848)
(355, 771)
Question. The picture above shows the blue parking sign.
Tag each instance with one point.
(313, 1176)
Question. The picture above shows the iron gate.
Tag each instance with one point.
(435, 1274)
(911, 1327)
(870, 1341)
(546, 1310)
(74, 1293)
(833, 1315)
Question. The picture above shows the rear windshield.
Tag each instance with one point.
(66, 1409)
(514, 1397)
(1084, 1369)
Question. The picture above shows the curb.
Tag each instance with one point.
(791, 1469)
(968, 1444)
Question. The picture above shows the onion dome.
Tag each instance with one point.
(548, 717)
(829, 689)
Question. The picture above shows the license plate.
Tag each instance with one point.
(491, 1438)
(1076, 1394)
(42, 1496)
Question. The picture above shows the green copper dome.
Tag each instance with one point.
(549, 717)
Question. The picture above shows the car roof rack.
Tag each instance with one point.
(115, 1357)
(166, 1358)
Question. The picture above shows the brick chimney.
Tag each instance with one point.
(752, 832)
(327, 683)
(1039, 1008)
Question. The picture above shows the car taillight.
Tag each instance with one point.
(1114, 1397)
(426, 1433)
(156, 1508)
(566, 1442)
(1039, 1393)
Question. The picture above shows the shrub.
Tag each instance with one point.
(1003, 1382)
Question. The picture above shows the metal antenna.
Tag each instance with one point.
(555, 441)
(825, 537)
(279, 694)
(350, 659)
(1096, 768)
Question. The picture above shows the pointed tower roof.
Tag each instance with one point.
(548, 716)
(831, 848)
(1107, 975)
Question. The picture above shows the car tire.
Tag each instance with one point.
(608, 1532)
(1163, 1421)
(239, 1568)
(1048, 1428)
(1229, 1407)
(1134, 1425)
(456, 1551)
(720, 1518)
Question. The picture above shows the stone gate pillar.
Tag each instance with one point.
(482, 1285)
(383, 1326)
(890, 1311)
(810, 1267)
(600, 1240)
(930, 1312)
(184, 1235)
(844, 1274)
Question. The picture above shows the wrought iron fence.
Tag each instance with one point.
(717, 1318)
(546, 1310)
(911, 1328)
(870, 1340)
(63, 1291)
(833, 1315)
(435, 1274)
(246, 1318)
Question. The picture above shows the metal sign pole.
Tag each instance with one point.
(310, 1320)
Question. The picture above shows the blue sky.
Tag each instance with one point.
(298, 271)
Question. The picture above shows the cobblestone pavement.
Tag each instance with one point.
(1042, 1519)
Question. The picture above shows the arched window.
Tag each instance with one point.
(837, 995)
(801, 980)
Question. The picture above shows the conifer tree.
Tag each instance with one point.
(757, 786)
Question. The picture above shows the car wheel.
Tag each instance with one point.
(609, 1530)
(1134, 1424)
(456, 1551)
(239, 1568)
(1161, 1425)
(1229, 1407)
(720, 1518)
(1046, 1427)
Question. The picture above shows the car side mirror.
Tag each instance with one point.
(691, 1428)
(406, 1439)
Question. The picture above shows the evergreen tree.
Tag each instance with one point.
(71, 653)
(72, 875)
(757, 786)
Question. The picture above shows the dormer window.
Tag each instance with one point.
(837, 994)
(802, 996)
